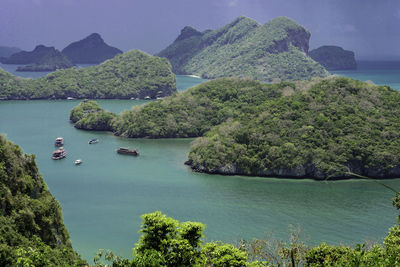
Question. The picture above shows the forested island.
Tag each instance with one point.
(90, 50)
(33, 234)
(274, 51)
(325, 128)
(133, 74)
(42, 58)
(334, 57)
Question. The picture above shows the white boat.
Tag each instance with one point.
(93, 141)
(78, 161)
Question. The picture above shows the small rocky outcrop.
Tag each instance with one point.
(334, 58)
(90, 50)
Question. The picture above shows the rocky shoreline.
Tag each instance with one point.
(304, 172)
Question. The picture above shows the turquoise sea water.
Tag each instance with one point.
(103, 198)
(380, 72)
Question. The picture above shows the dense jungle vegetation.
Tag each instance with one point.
(133, 74)
(274, 51)
(32, 232)
(323, 128)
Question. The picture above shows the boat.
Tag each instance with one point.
(93, 141)
(59, 141)
(70, 98)
(147, 97)
(59, 153)
(78, 161)
(127, 151)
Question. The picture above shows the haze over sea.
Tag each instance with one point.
(103, 199)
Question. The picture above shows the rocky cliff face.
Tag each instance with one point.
(334, 58)
(90, 50)
(244, 48)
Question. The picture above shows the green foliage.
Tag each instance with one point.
(334, 58)
(132, 74)
(224, 255)
(195, 111)
(167, 240)
(89, 115)
(245, 49)
(326, 129)
(32, 232)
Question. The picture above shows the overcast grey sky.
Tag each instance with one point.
(368, 27)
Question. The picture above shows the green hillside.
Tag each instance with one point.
(31, 224)
(133, 74)
(274, 51)
(318, 129)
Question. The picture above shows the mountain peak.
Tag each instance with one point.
(188, 32)
(95, 37)
(90, 50)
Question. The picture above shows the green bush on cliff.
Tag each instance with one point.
(30, 217)
(89, 115)
(132, 74)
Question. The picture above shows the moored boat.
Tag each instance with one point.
(59, 153)
(127, 151)
(59, 141)
(93, 141)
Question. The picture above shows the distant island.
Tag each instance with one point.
(42, 58)
(271, 52)
(325, 128)
(133, 74)
(334, 58)
(6, 51)
(90, 50)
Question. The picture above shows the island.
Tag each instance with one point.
(42, 58)
(325, 128)
(245, 49)
(90, 50)
(334, 58)
(31, 218)
(6, 51)
(133, 74)
(51, 61)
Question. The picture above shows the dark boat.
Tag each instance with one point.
(59, 141)
(59, 153)
(127, 151)
(93, 141)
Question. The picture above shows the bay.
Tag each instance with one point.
(103, 198)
